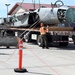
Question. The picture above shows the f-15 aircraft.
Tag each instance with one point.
(51, 16)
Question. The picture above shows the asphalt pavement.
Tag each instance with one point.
(38, 61)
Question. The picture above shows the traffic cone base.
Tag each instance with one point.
(23, 70)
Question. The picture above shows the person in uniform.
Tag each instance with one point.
(43, 36)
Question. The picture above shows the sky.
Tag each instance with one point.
(3, 8)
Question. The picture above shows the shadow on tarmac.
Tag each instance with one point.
(39, 73)
(69, 47)
(4, 54)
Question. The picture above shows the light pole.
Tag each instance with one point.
(7, 10)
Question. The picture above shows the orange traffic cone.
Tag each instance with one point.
(20, 69)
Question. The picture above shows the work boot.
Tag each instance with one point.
(43, 47)
(47, 47)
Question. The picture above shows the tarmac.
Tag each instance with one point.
(38, 61)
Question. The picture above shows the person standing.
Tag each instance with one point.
(43, 36)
